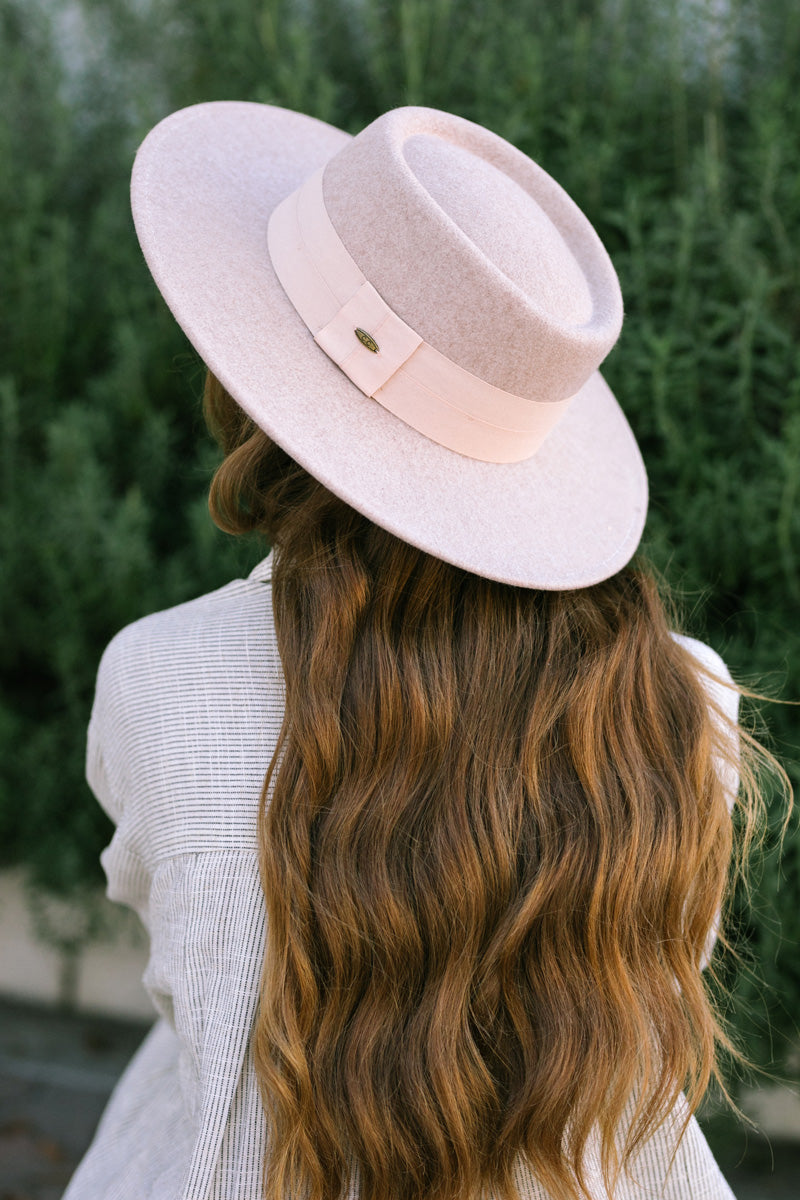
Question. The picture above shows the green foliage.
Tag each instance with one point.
(674, 127)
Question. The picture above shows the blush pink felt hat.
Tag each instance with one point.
(416, 315)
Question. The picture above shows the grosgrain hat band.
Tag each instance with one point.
(383, 356)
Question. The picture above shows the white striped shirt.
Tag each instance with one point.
(187, 711)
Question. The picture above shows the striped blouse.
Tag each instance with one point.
(187, 711)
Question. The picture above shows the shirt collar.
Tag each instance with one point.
(262, 571)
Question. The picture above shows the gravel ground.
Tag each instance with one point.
(56, 1073)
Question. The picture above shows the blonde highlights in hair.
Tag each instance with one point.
(494, 844)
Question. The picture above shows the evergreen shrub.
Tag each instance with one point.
(674, 125)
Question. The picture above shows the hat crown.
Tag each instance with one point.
(477, 249)
(525, 244)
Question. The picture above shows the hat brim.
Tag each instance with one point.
(205, 182)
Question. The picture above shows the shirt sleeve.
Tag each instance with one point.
(724, 697)
(724, 709)
(96, 774)
(128, 876)
(97, 777)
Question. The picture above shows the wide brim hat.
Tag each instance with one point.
(416, 315)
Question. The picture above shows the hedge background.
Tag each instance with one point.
(675, 127)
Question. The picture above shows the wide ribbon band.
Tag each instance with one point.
(382, 355)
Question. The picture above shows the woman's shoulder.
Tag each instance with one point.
(218, 650)
(217, 620)
(175, 692)
(714, 674)
(706, 655)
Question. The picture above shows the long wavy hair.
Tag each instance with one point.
(494, 844)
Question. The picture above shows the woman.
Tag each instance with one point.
(453, 942)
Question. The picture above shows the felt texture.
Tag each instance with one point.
(205, 182)
(406, 375)
(446, 281)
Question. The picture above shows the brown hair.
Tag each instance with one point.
(494, 842)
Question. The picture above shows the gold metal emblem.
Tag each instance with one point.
(366, 340)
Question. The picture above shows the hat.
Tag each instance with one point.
(416, 315)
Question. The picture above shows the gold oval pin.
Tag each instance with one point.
(366, 340)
